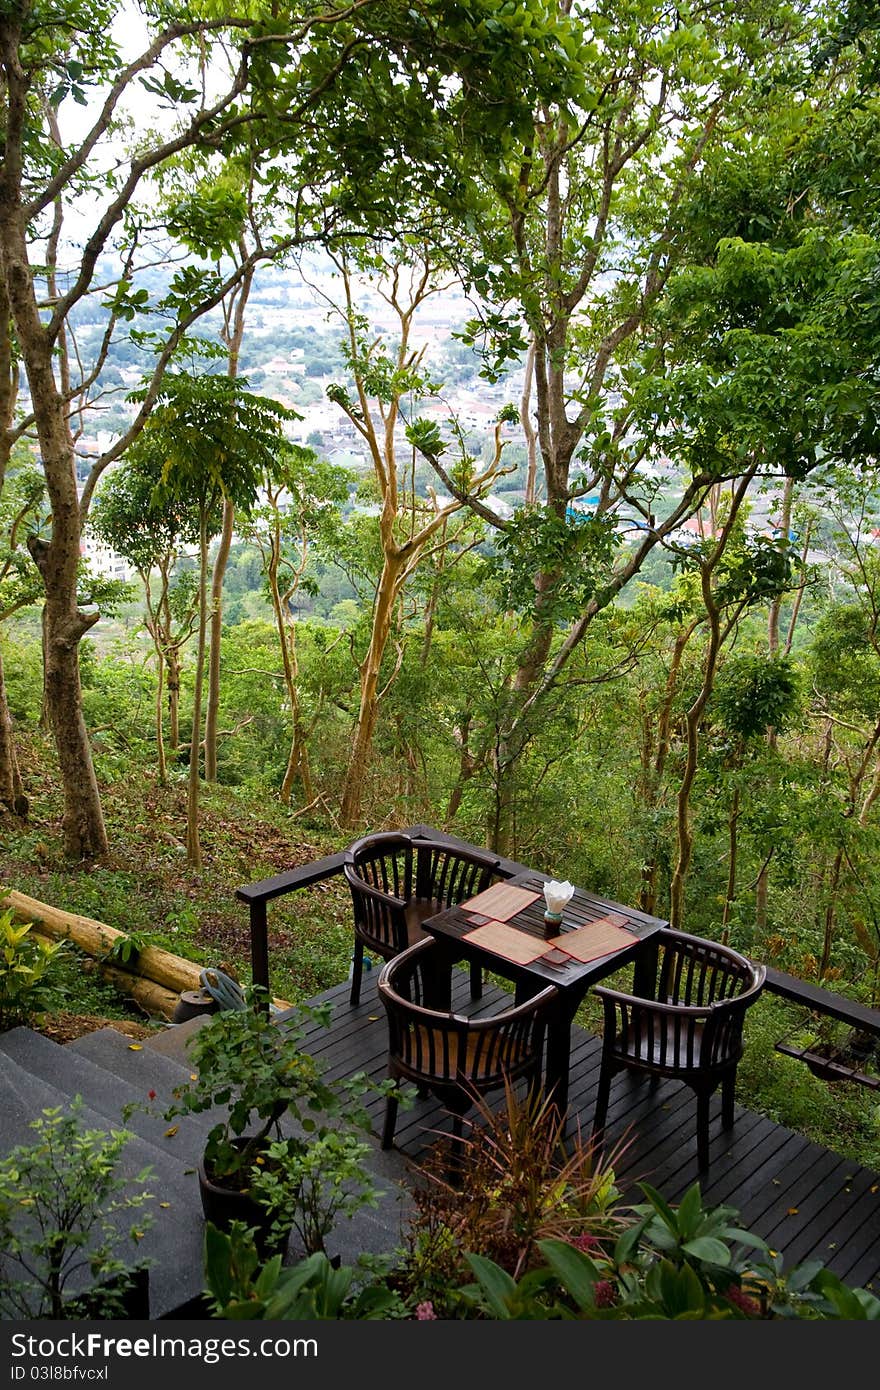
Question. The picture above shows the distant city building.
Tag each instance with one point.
(102, 560)
(693, 530)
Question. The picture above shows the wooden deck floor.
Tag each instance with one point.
(804, 1200)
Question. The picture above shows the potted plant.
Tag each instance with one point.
(239, 1287)
(66, 1215)
(301, 1177)
(834, 1055)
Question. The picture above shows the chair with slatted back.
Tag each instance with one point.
(397, 883)
(690, 1030)
(454, 1057)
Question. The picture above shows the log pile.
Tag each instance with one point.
(160, 976)
(155, 1000)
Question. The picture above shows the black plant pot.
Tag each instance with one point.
(223, 1204)
(821, 1062)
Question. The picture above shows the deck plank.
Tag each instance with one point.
(803, 1199)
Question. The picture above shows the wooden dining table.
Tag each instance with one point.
(503, 930)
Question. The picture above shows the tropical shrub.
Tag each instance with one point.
(665, 1263)
(674, 1263)
(26, 973)
(518, 1182)
(313, 1289)
(66, 1214)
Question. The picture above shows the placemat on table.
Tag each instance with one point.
(595, 939)
(500, 902)
(507, 942)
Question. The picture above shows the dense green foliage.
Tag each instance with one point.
(654, 1261)
(26, 968)
(653, 665)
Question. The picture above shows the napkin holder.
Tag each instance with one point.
(556, 897)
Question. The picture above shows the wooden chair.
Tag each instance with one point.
(397, 883)
(454, 1057)
(690, 1030)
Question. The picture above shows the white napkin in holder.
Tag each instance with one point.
(556, 897)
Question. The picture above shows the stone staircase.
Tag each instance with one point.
(107, 1071)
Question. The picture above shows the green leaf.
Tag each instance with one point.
(629, 1240)
(495, 1283)
(709, 1249)
(661, 1206)
(576, 1271)
(217, 1263)
(681, 1289)
(690, 1212)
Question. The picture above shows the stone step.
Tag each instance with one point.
(174, 1242)
(109, 1073)
(172, 1041)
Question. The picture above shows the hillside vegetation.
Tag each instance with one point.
(556, 525)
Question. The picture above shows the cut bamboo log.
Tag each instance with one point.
(154, 999)
(172, 973)
(96, 939)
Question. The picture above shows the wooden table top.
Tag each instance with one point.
(456, 924)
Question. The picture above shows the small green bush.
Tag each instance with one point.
(62, 1211)
(26, 965)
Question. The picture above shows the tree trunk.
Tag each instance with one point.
(528, 429)
(298, 758)
(85, 836)
(501, 832)
(510, 746)
(160, 722)
(193, 843)
(362, 745)
(417, 524)
(11, 789)
(298, 765)
(234, 332)
(172, 660)
(44, 723)
(433, 600)
(212, 703)
(730, 895)
(776, 605)
(762, 886)
(684, 827)
(830, 914)
(761, 901)
(648, 891)
(466, 768)
(154, 626)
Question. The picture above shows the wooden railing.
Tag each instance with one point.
(258, 895)
(839, 1061)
